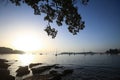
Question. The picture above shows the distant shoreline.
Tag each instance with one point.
(6, 50)
(111, 52)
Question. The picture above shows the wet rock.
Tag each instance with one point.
(38, 77)
(41, 69)
(3, 65)
(53, 72)
(57, 67)
(68, 71)
(4, 72)
(22, 71)
(4, 75)
(9, 77)
(3, 60)
(57, 77)
(34, 64)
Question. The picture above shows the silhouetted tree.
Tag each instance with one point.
(59, 11)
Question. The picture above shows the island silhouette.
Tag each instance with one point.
(6, 50)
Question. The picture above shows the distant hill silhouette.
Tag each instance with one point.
(6, 50)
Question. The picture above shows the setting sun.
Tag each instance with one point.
(27, 43)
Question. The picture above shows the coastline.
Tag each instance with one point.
(46, 71)
(4, 72)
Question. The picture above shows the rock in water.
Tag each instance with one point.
(41, 69)
(53, 72)
(3, 65)
(34, 64)
(68, 71)
(22, 71)
(4, 72)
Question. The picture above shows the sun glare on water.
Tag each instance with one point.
(27, 43)
(26, 59)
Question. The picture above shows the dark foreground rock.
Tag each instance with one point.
(55, 75)
(44, 77)
(4, 72)
(39, 70)
(57, 67)
(34, 64)
(3, 60)
(38, 77)
(51, 73)
(4, 75)
(67, 71)
(22, 71)
(3, 65)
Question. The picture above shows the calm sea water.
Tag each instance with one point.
(89, 62)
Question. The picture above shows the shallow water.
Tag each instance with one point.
(93, 67)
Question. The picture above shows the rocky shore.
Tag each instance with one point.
(42, 71)
(4, 72)
(49, 72)
(58, 72)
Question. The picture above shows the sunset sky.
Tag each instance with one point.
(21, 29)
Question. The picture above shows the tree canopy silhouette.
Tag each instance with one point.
(59, 11)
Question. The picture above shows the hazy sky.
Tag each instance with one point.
(102, 31)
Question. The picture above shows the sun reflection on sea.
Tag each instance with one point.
(26, 59)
